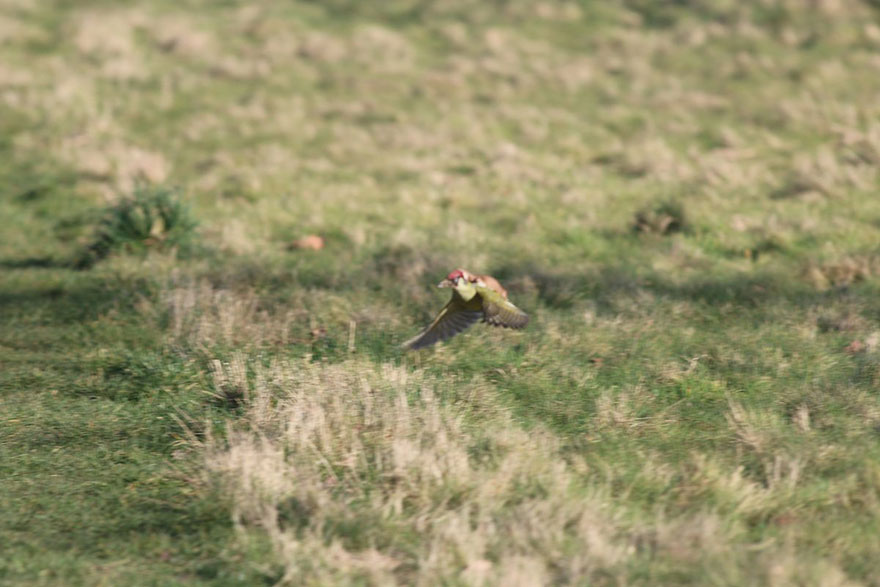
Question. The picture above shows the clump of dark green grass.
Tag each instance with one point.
(153, 217)
(663, 218)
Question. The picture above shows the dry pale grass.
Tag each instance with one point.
(358, 472)
(203, 315)
(364, 473)
(841, 272)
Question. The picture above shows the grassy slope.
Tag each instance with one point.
(514, 140)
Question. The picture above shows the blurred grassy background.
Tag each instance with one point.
(683, 195)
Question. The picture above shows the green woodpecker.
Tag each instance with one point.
(474, 297)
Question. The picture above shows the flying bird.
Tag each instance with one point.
(474, 297)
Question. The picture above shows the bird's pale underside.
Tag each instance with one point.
(474, 298)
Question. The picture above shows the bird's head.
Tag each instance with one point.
(453, 279)
(460, 281)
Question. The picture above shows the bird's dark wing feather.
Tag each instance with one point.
(451, 320)
(497, 311)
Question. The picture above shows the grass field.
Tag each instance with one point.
(683, 195)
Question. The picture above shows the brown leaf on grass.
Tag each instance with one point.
(785, 518)
(311, 242)
(854, 347)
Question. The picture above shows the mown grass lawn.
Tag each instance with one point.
(682, 195)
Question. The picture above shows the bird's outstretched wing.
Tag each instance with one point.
(497, 311)
(455, 317)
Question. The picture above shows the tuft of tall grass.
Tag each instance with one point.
(153, 217)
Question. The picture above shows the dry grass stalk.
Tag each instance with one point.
(204, 316)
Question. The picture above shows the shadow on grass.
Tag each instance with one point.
(62, 304)
(753, 291)
(34, 263)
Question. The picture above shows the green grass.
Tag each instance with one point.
(682, 195)
(98, 484)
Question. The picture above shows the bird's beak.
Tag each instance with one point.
(445, 283)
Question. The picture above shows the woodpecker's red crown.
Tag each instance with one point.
(455, 275)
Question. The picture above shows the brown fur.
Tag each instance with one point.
(486, 281)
